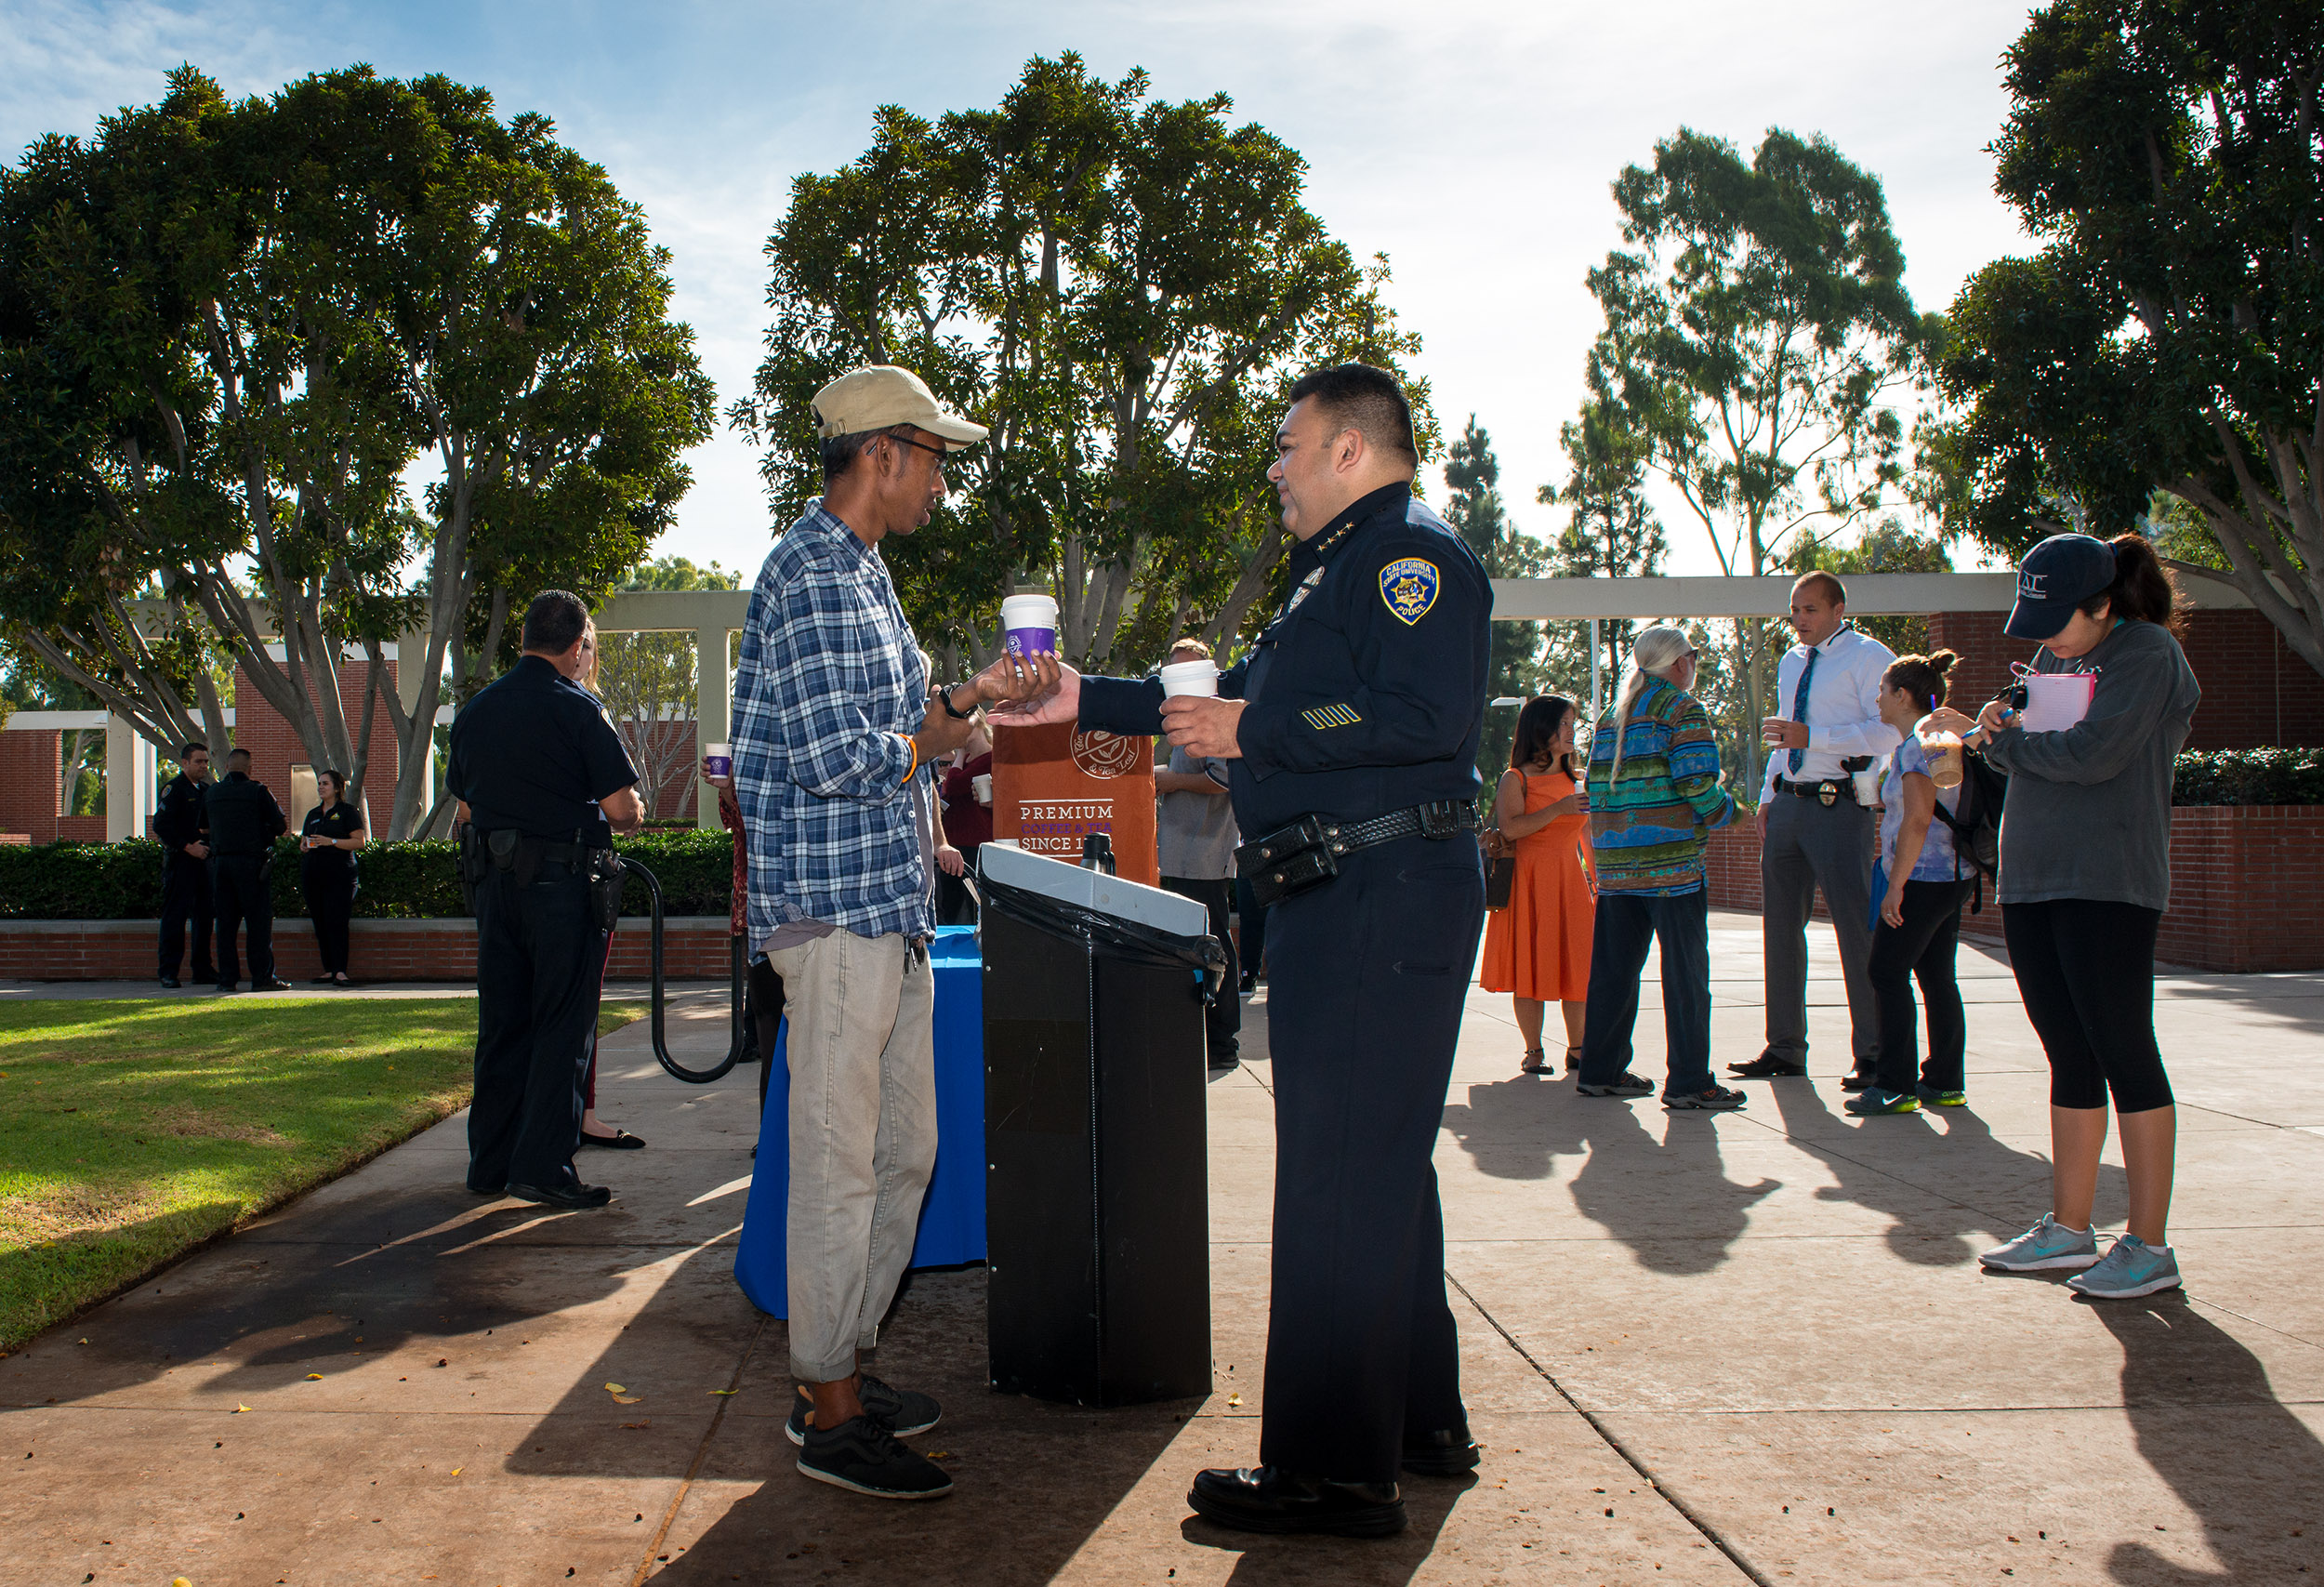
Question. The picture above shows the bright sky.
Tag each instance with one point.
(1472, 142)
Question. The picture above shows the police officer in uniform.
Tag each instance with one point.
(1354, 721)
(186, 865)
(244, 820)
(542, 784)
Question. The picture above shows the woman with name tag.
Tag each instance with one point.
(2085, 877)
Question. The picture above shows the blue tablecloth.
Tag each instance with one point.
(952, 1220)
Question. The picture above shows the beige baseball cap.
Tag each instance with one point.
(880, 396)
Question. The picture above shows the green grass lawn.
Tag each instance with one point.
(131, 1130)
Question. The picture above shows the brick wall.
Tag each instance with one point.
(2247, 887)
(694, 949)
(2256, 690)
(274, 748)
(29, 767)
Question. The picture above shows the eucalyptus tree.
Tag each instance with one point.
(1474, 509)
(1758, 336)
(2170, 159)
(239, 325)
(1123, 289)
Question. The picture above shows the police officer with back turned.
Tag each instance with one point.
(1351, 737)
(243, 822)
(542, 784)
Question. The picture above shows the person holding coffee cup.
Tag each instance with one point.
(1918, 888)
(1195, 841)
(327, 841)
(1350, 737)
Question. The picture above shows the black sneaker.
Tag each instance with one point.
(1718, 1099)
(863, 1457)
(901, 1411)
(1629, 1085)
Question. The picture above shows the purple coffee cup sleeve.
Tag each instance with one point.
(1031, 641)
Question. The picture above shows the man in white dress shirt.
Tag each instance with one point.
(1812, 832)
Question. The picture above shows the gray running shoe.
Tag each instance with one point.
(2047, 1245)
(2131, 1268)
(1717, 1098)
(1629, 1085)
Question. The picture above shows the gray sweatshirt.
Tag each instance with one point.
(2088, 808)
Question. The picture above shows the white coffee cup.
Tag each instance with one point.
(981, 786)
(717, 759)
(1199, 677)
(1030, 622)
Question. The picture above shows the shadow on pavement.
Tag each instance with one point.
(1626, 1181)
(2209, 1422)
(1896, 1164)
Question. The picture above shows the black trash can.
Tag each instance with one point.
(1097, 1182)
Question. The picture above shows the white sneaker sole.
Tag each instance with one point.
(2077, 1261)
(837, 1481)
(796, 1437)
(2153, 1287)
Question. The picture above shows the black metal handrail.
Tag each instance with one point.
(741, 1043)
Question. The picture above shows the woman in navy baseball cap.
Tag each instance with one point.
(2085, 876)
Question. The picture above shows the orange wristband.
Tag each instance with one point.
(913, 746)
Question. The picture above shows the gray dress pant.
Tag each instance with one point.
(1810, 844)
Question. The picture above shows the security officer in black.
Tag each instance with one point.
(542, 783)
(186, 865)
(244, 821)
(1360, 707)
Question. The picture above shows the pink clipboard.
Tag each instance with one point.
(2055, 701)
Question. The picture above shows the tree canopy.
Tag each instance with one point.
(1474, 508)
(228, 329)
(1123, 289)
(1757, 337)
(2170, 334)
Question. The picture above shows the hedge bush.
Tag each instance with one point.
(399, 881)
(2249, 776)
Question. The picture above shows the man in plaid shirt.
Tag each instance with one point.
(834, 730)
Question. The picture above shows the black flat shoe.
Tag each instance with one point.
(1267, 1498)
(573, 1197)
(1449, 1451)
(1767, 1066)
(619, 1141)
(172, 982)
(273, 986)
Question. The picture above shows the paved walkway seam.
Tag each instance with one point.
(702, 1453)
(1615, 1443)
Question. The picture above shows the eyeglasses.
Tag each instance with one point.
(907, 441)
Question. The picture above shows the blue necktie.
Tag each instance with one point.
(1799, 702)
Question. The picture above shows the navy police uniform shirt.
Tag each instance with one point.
(183, 814)
(534, 752)
(1366, 694)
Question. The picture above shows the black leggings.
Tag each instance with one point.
(330, 903)
(2085, 968)
(1923, 950)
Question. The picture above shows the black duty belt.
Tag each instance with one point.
(1306, 853)
(1829, 791)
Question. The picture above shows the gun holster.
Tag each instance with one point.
(606, 875)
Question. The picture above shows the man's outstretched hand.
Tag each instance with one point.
(1054, 694)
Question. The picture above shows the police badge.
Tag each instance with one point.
(1408, 586)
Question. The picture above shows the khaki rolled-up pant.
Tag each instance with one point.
(863, 1136)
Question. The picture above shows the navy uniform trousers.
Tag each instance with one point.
(538, 958)
(1366, 976)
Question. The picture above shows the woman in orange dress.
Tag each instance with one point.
(1538, 948)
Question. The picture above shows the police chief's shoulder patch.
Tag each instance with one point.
(1408, 586)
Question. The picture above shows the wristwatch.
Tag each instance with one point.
(945, 695)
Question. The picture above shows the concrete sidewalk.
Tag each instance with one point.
(1751, 1347)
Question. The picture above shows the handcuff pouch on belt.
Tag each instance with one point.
(1298, 858)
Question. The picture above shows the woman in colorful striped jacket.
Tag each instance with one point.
(1654, 796)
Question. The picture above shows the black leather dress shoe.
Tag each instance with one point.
(572, 1196)
(1449, 1451)
(1767, 1066)
(1858, 1082)
(1268, 1499)
(271, 983)
(172, 982)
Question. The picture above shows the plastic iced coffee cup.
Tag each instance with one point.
(1197, 677)
(1943, 749)
(717, 761)
(1030, 622)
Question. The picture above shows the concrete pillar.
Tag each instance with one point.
(417, 691)
(131, 772)
(712, 708)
